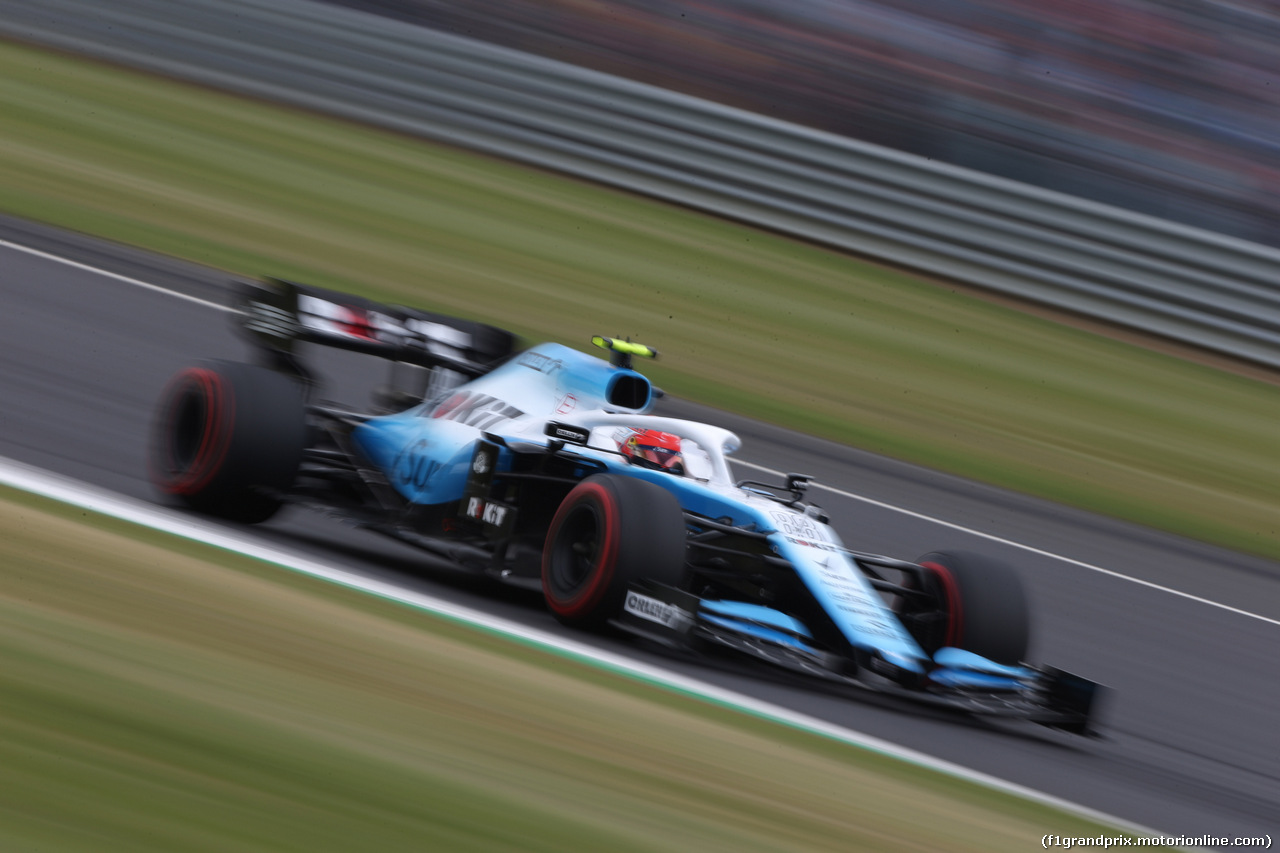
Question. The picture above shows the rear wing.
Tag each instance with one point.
(276, 315)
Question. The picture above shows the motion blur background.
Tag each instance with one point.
(1167, 108)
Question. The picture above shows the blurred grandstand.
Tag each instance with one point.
(1170, 108)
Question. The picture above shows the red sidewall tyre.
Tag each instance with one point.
(984, 603)
(591, 510)
(195, 432)
(952, 603)
(228, 439)
(610, 531)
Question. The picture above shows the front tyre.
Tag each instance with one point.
(983, 606)
(228, 439)
(608, 532)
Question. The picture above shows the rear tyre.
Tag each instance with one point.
(610, 531)
(984, 606)
(228, 439)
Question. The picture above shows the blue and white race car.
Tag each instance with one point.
(541, 467)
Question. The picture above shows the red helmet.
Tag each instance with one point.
(654, 449)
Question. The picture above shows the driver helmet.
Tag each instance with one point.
(653, 449)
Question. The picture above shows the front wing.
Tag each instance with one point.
(1044, 695)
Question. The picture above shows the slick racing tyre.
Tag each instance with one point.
(228, 439)
(983, 606)
(609, 531)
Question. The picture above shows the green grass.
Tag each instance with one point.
(746, 320)
(161, 695)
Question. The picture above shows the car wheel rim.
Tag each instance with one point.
(578, 552)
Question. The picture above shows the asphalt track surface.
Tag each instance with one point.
(1187, 635)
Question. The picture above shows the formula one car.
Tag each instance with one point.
(540, 467)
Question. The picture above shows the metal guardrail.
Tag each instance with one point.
(1189, 285)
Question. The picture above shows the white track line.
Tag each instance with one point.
(66, 490)
(911, 513)
(108, 274)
